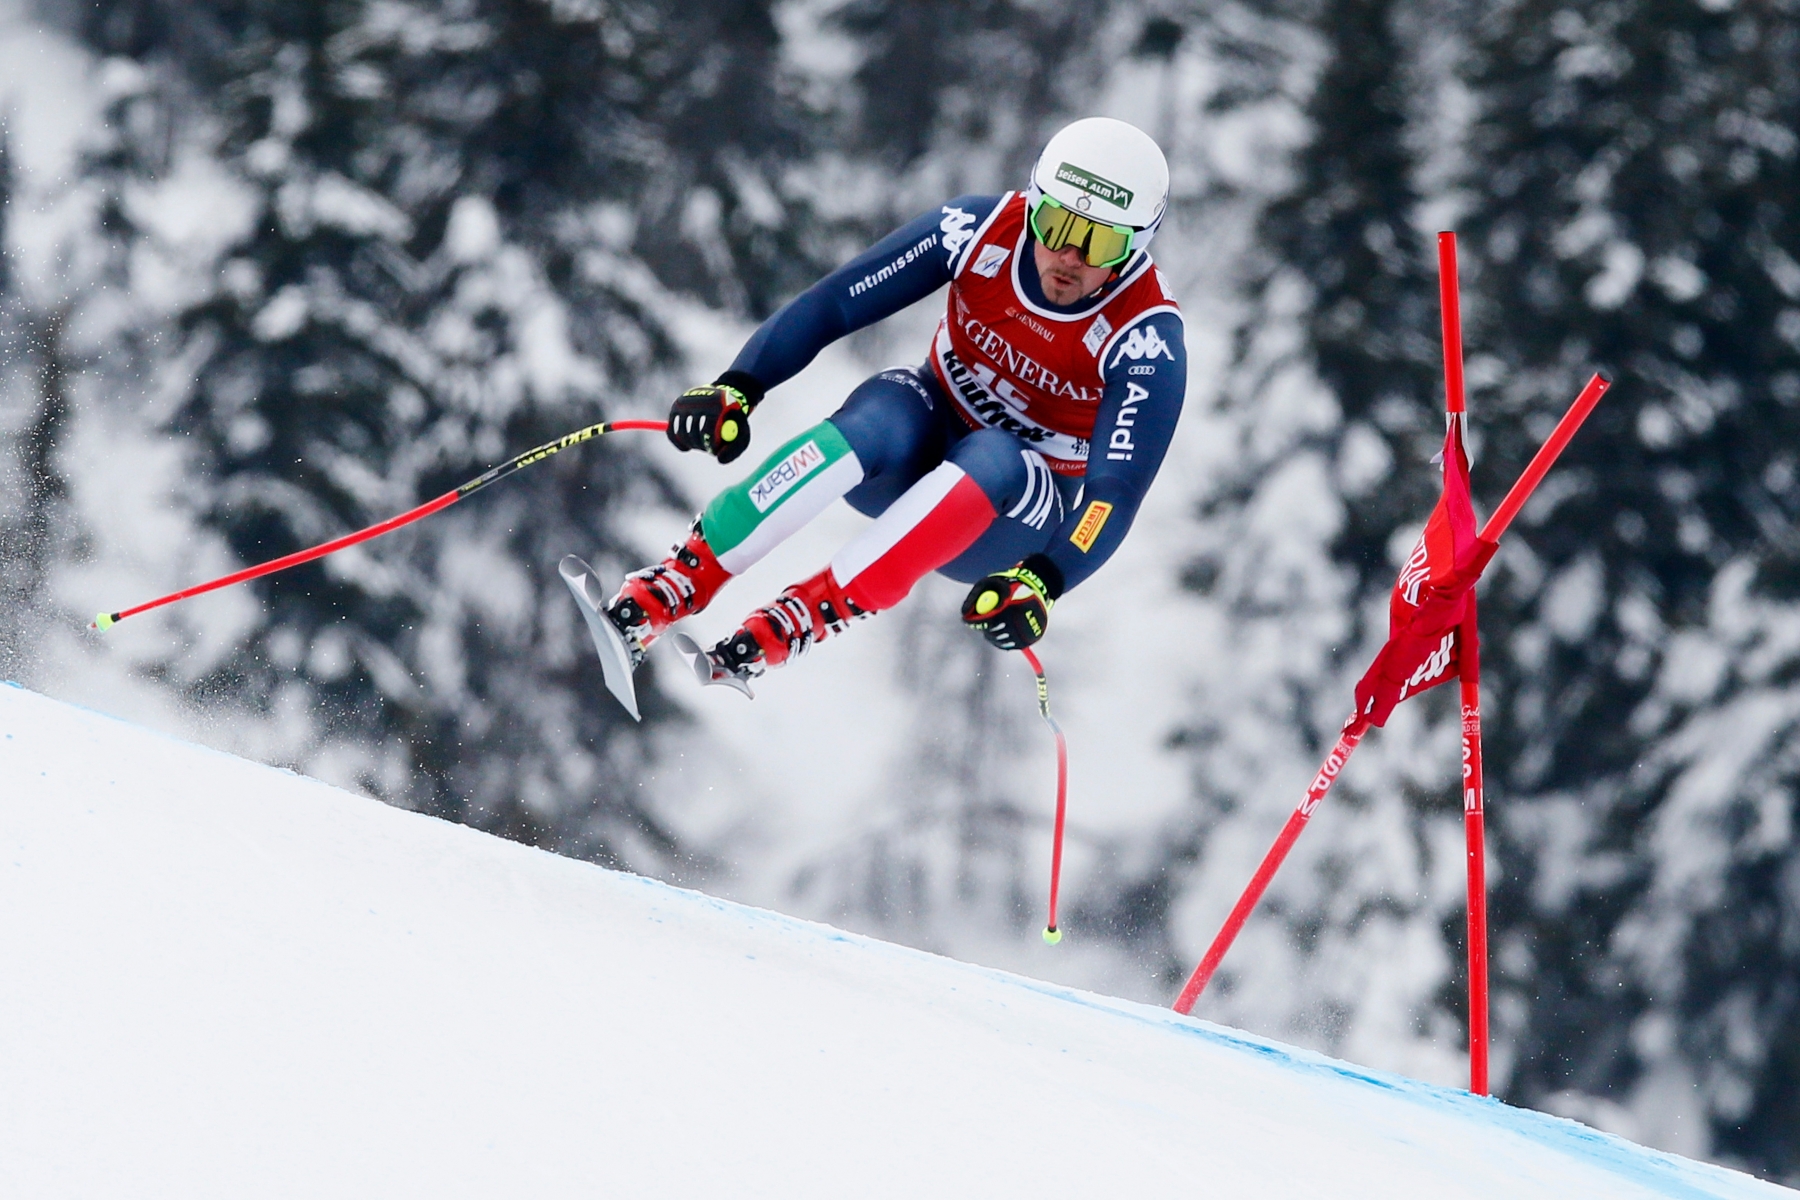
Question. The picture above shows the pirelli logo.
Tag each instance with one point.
(1092, 522)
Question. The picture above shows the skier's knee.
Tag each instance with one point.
(1000, 464)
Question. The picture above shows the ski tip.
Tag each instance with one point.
(692, 655)
(1052, 935)
(573, 570)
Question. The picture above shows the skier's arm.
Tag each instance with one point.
(901, 269)
(1131, 434)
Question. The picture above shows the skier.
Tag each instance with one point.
(1013, 459)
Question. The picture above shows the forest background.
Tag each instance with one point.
(276, 270)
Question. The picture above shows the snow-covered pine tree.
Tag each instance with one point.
(35, 363)
(969, 89)
(461, 231)
(1634, 184)
(1335, 405)
(19, 567)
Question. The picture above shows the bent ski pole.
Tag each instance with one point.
(1052, 934)
(1259, 883)
(1545, 458)
(511, 466)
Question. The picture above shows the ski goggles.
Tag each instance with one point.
(1100, 245)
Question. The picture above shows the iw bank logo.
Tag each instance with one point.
(785, 474)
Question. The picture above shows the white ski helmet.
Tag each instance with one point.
(1108, 171)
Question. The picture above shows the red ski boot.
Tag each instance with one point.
(651, 600)
(808, 612)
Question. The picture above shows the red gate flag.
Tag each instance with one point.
(1431, 597)
(1434, 592)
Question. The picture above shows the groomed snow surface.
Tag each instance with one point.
(219, 979)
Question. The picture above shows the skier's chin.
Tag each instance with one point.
(1059, 288)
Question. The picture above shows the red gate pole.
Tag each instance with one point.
(1450, 307)
(1469, 657)
(1475, 834)
(1290, 833)
(1545, 458)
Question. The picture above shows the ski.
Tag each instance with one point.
(615, 654)
(705, 669)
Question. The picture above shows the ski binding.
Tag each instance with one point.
(705, 670)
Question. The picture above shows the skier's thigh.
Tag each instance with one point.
(896, 426)
(1029, 502)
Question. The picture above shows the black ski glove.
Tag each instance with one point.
(715, 418)
(1012, 608)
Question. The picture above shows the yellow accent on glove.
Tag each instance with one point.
(1010, 608)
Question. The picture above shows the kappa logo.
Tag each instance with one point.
(987, 263)
(785, 474)
(956, 231)
(1143, 342)
(1097, 334)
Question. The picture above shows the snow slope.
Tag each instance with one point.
(218, 979)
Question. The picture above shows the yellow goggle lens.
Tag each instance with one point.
(1100, 245)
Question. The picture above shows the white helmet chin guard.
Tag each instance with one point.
(1108, 171)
